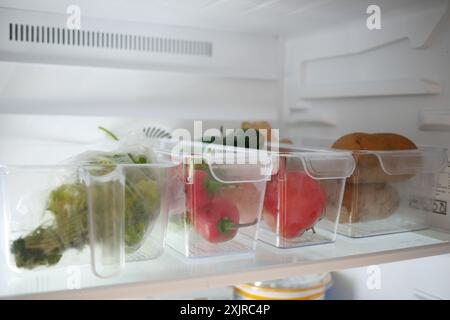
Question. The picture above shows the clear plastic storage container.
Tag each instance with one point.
(217, 209)
(305, 186)
(68, 215)
(390, 191)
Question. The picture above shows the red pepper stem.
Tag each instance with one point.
(248, 224)
(226, 225)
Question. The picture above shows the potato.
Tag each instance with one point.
(368, 202)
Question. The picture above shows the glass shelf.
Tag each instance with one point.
(172, 273)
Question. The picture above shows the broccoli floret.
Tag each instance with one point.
(69, 207)
(45, 245)
(40, 248)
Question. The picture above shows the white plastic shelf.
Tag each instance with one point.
(401, 87)
(173, 274)
(434, 120)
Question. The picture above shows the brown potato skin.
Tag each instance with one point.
(374, 141)
(368, 167)
(368, 202)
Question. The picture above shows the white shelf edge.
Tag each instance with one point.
(225, 73)
(312, 121)
(146, 288)
(434, 120)
(312, 118)
(129, 110)
(380, 88)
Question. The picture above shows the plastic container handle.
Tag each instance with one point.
(106, 210)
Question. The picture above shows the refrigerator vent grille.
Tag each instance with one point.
(107, 40)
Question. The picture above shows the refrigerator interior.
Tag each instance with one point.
(311, 68)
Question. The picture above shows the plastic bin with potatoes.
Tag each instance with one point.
(392, 187)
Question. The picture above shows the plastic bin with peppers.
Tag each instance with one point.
(305, 186)
(216, 208)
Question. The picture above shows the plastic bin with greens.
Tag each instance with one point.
(100, 207)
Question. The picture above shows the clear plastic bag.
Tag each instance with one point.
(111, 203)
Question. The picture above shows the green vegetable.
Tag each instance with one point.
(141, 199)
(68, 205)
(41, 247)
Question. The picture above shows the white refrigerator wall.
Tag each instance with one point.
(67, 103)
(391, 80)
(425, 278)
(73, 90)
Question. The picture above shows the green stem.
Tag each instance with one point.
(248, 224)
(132, 158)
(115, 138)
(226, 225)
(109, 133)
(313, 230)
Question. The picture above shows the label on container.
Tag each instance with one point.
(244, 292)
(441, 201)
(292, 289)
